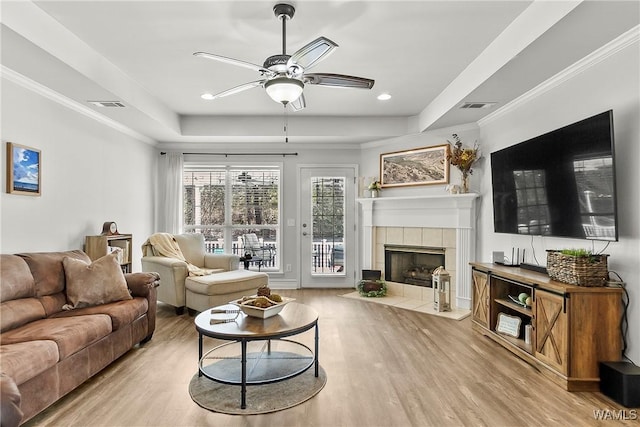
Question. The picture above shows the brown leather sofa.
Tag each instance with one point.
(46, 351)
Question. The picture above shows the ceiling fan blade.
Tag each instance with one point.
(338, 80)
(307, 56)
(299, 104)
(237, 62)
(239, 88)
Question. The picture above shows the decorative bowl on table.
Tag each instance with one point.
(260, 312)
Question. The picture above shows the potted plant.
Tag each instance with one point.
(577, 267)
(375, 188)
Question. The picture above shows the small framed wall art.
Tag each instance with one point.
(24, 170)
(420, 166)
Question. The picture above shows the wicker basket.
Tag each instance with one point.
(582, 271)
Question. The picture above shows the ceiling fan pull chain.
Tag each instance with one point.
(286, 125)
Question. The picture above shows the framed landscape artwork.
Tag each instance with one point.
(24, 172)
(420, 166)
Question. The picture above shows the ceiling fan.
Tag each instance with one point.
(284, 76)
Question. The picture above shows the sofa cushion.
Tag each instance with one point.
(192, 247)
(99, 282)
(121, 313)
(53, 303)
(23, 361)
(17, 280)
(47, 269)
(71, 334)
(17, 312)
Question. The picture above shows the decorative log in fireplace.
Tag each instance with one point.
(412, 265)
(418, 275)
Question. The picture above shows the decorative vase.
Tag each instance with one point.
(464, 185)
(374, 194)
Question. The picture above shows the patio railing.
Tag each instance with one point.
(325, 254)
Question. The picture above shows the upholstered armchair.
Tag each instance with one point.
(174, 271)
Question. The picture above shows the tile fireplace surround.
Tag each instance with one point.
(446, 221)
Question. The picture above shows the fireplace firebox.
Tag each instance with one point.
(412, 265)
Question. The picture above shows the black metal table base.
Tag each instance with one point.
(243, 361)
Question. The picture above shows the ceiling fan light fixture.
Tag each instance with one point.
(284, 76)
(384, 97)
(284, 89)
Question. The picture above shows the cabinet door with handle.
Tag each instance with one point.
(552, 330)
(480, 297)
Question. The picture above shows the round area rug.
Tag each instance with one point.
(261, 399)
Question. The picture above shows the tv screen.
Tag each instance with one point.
(558, 184)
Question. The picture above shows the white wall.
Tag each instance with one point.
(610, 84)
(91, 173)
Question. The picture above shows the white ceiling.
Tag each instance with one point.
(429, 55)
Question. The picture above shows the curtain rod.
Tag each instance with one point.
(162, 153)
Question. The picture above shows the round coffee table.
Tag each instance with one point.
(272, 357)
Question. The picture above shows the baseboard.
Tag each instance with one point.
(283, 284)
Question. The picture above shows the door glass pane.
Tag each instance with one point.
(328, 204)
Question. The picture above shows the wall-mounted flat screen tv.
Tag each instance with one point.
(561, 184)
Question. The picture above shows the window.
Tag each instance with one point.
(225, 202)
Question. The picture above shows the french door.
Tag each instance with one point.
(327, 224)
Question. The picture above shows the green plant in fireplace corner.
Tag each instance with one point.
(372, 288)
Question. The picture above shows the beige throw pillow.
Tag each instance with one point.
(97, 283)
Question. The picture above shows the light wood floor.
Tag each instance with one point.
(386, 366)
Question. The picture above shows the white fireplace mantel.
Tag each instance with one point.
(456, 211)
(444, 211)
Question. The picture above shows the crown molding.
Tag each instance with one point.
(613, 47)
(33, 86)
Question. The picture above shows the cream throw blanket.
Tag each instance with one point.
(165, 245)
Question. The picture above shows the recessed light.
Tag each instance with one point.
(384, 97)
(207, 96)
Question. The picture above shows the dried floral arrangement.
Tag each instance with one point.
(463, 158)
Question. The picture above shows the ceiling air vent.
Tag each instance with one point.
(474, 105)
(107, 103)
